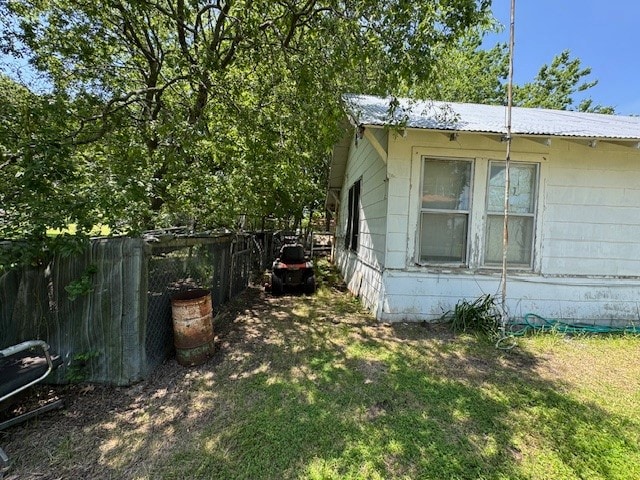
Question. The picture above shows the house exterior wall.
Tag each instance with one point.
(417, 296)
(586, 250)
(363, 268)
(592, 212)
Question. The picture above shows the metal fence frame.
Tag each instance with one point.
(220, 264)
(121, 329)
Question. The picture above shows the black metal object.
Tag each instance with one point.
(22, 366)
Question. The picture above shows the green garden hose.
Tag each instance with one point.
(535, 322)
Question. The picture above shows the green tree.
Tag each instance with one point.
(475, 74)
(173, 110)
(469, 73)
(43, 182)
(555, 86)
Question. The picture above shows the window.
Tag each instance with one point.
(353, 218)
(444, 222)
(522, 206)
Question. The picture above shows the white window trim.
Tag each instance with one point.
(535, 215)
(477, 215)
(468, 212)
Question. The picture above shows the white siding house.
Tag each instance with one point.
(420, 210)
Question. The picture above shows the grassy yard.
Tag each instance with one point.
(311, 387)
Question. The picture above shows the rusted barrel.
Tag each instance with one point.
(192, 326)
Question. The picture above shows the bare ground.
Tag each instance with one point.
(126, 432)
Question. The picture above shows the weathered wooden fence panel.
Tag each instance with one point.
(120, 329)
(97, 333)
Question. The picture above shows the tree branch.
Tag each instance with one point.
(114, 105)
(182, 39)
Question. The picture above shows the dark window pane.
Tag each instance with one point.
(443, 237)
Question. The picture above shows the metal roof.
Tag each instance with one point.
(469, 117)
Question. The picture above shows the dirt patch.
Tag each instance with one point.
(98, 422)
(125, 432)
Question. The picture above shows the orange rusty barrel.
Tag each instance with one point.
(192, 326)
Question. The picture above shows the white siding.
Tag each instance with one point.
(587, 246)
(362, 280)
(399, 209)
(406, 156)
(363, 270)
(587, 234)
(592, 211)
(588, 220)
(416, 296)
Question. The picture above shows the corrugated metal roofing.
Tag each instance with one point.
(468, 117)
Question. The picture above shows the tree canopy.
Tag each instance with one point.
(470, 72)
(164, 112)
(555, 86)
(476, 74)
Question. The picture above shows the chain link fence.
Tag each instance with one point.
(123, 321)
(221, 264)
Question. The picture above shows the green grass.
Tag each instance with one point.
(97, 230)
(352, 400)
(310, 387)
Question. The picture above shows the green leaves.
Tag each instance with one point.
(164, 112)
(159, 113)
(480, 315)
(556, 84)
(83, 285)
(41, 182)
(468, 72)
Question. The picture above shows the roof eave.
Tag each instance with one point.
(503, 132)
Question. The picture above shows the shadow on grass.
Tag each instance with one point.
(312, 387)
(346, 398)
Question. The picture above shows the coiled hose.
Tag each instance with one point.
(544, 324)
(537, 323)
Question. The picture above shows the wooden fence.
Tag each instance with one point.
(118, 328)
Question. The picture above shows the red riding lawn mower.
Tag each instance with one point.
(292, 269)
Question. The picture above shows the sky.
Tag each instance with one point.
(603, 34)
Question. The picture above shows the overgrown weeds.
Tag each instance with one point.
(480, 315)
(328, 275)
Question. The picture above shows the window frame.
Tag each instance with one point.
(468, 212)
(352, 231)
(533, 215)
